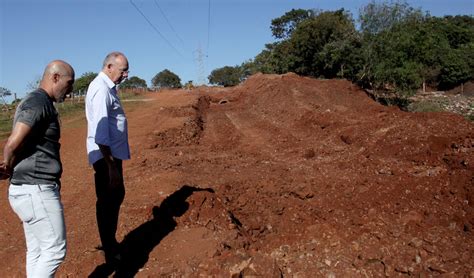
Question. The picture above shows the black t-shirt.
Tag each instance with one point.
(38, 161)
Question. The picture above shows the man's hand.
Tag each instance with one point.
(114, 177)
(5, 172)
(12, 146)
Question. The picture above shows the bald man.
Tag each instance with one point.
(31, 161)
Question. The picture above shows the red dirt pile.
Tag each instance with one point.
(284, 176)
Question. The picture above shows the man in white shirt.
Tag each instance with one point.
(107, 146)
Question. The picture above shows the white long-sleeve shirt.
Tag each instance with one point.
(106, 121)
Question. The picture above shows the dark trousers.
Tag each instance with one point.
(108, 205)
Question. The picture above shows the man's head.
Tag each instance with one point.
(116, 67)
(58, 78)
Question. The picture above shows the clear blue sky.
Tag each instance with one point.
(82, 32)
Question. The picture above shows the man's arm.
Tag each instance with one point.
(14, 143)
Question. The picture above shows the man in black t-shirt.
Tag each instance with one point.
(31, 159)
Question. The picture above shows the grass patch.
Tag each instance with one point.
(426, 106)
(130, 95)
(6, 121)
(68, 110)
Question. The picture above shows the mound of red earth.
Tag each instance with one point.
(280, 176)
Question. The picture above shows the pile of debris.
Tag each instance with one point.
(459, 100)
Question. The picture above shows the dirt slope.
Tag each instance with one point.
(281, 176)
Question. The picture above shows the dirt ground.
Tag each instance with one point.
(282, 176)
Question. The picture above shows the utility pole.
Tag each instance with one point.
(201, 74)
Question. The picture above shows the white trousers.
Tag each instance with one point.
(40, 209)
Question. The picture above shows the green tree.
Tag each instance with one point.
(456, 53)
(468, 54)
(404, 49)
(282, 27)
(276, 58)
(455, 69)
(396, 48)
(133, 82)
(396, 66)
(378, 16)
(82, 83)
(393, 52)
(225, 76)
(166, 79)
(247, 68)
(459, 29)
(262, 62)
(428, 47)
(324, 45)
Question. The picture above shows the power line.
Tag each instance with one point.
(156, 29)
(208, 27)
(166, 18)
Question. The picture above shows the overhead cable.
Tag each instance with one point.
(208, 27)
(156, 29)
(169, 24)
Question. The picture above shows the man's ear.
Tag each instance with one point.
(56, 77)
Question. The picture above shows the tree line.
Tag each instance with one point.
(163, 79)
(391, 47)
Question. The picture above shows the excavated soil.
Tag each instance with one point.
(282, 176)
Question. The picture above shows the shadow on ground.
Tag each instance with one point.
(138, 244)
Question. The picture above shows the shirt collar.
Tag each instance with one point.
(43, 91)
(107, 80)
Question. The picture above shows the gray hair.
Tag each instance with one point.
(111, 57)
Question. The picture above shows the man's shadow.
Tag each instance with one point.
(137, 245)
